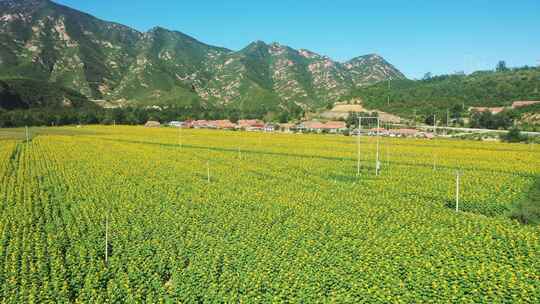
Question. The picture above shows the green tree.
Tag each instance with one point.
(513, 136)
(501, 66)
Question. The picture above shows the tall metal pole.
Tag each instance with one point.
(434, 124)
(387, 148)
(457, 191)
(388, 102)
(106, 239)
(208, 171)
(447, 119)
(358, 145)
(180, 136)
(377, 163)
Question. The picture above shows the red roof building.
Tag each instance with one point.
(521, 104)
(199, 124)
(221, 124)
(405, 132)
(250, 123)
(331, 126)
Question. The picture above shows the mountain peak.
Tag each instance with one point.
(156, 29)
(258, 45)
(372, 56)
(106, 60)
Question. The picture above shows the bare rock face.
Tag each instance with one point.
(40, 39)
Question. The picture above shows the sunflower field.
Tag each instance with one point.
(130, 214)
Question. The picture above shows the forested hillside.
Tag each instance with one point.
(436, 95)
(19, 94)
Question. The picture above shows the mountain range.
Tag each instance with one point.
(118, 65)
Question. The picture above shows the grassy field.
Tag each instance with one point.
(212, 216)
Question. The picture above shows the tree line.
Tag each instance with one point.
(134, 115)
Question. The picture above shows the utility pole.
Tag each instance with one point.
(180, 136)
(107, 239)
(358, 145)
(208, 171)
(239, 141)
(434, 124)
(447, 119)
(457, 191)
(388, 102)
(377, 163)
(538, 66)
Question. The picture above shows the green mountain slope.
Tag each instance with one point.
(43, 40)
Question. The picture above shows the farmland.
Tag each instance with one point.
(217, 216)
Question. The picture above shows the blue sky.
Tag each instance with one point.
(417, 36)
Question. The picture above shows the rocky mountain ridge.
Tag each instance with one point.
(42, 40)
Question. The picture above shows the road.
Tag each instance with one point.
(473, 130)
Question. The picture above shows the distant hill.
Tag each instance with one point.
(103, 60)
(437, 94)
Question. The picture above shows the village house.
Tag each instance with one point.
(287, 127)
(152, 124)
(316, 126)
(405, 132)
(250, 124)
(378, 131)
(176, 124)
(221, 124)
(521, 104)
(493, 110)
(269, 127)
(199, 124)
(335, 126)
(310, 126)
